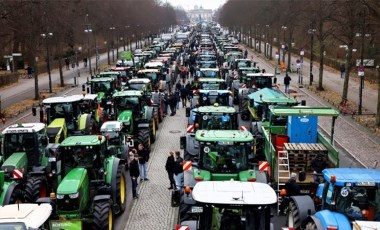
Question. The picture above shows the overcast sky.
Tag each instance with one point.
(189, 4)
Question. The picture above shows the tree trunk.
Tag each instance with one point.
(321, 62)
(290, 50)
(36, 89)
(378, 98)
(348, 70)
(60, 71)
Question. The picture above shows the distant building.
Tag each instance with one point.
(199, 14)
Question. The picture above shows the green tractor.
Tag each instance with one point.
(65, 116)
(93, 188)
(28, 171)
(133, 109)
(223, 155)
(104, 87)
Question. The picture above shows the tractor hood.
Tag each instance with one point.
(334, 219)
(55, 129)
(17, 160)
(125, 116)
(72, 181)
(100, 96)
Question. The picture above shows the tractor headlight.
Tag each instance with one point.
(74, 195)
(60, 196)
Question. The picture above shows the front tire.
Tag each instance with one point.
(103, 216)
(293, 220)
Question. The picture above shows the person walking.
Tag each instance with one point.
(287, 80)
(172, 104)
(177, 95)
(85, 62)
(245, 53)
(342, 70)
(166, 103)
(67, 62)
(184, 94)
(134, 172)
(29, 71)
(291, 187)
(170, 168)
(143, 159)
(178, 172)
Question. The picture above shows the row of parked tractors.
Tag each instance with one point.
(76, 157)
(243, 140)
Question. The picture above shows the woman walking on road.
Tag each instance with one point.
(170, 168)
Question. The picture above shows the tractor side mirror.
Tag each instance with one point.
(182, 142)
(83, 87)
(44, 140)
(187, 112)
(303, 102)
(301, 176)
(34, 111)
(275, 80)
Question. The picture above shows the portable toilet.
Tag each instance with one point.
(302, 129)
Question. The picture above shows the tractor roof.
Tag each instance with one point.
(210, 80)
(102, 79)
(128, 93)
(356, 176)
(63, 99)
(304, 110)
(270, 96)
(148, 71)
(260, 75)
(248, 68)
(84, 140)
(111, 126)
(139, 80)
(209, 69)
(32, 215)
(234, 193)
(223, 136)
(108, 73)
(24, 128)
(242, 59)
(216, 109)
(90, 96)
(153, 64)
(212, 92)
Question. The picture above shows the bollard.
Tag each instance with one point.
(75, 81)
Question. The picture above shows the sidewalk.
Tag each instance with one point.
(353, 140)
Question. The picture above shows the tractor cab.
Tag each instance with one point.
(103, 87)
(230, 205)
(242, 63)
(258, 80)
(156, 76)
(24, 145)
(206, 97)
(209, 73)
(211, 84)
(140, 84)
(116, 138)
(243, 71)
(213, 118)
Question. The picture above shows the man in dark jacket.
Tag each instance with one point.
(143, 159)
(318, 164)
(178, 173)
(184, 94)
(170, 168)
(134, 172)
(287, 80)
(292, 188)
(172, 103)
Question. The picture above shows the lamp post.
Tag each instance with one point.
(361, 69)
(112, 28)
(108, 52)
(45, 36)
(79, 49)
(266, 41)
(284, 28)
(88, 30)
(311, 32)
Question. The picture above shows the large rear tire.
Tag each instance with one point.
(103, 216)
(18, 196)
(35, 188)
(144, 138)
(121, 191)
(311, 226)
(293, 220)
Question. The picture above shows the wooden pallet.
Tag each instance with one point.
(304, 147)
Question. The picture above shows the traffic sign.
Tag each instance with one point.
(16, 54)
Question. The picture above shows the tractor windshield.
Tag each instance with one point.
(127, 103)
(81, 156)
(113, 137)
(12, 226)
(358, 203)
(216, 121)
(260, 82)
(210, 99)
(243, 64)
(210, 73)
(18, 142)
(220, 158)
(137, 86)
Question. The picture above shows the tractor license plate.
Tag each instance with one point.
(131, 143)
(65, 224)
(196, 209)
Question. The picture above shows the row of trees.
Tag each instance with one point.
(347, 24)
(76, 23)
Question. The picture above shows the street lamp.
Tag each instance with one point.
(112, 28)
(78, 50)
(108, 53)
(45, 36)
(284, 28)
(88, 30)
(361, 69)
(266, 41)
(311, 32)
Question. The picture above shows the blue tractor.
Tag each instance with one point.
(349, 198)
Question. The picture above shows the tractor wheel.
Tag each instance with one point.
(121, 191)
(293, 220)
(17, 197)
(103, 216)
(311, 226)
(155, 117)
(144, 138)
(35, 188)
(243, 103)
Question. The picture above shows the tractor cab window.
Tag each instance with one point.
(136, 86)
(113, 137)
(81, 156)
(128, 103)
(101, 87)
(261, 82)
(152, 76)
(243, 64)
(217, 122)
(225, 158)
(359, 203)
(18, 142)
